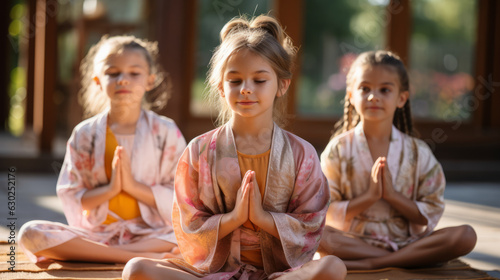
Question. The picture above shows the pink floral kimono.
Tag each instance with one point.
(157, 145)
(207, 180)
(347, 164)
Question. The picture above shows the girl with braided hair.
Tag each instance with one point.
(386, 185)
(250, 198)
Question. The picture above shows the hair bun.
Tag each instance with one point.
(232, 26)
(271, 26)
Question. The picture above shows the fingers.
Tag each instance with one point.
(116, 157)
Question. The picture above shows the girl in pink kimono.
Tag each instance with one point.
(116, 183)
(250, 198)
(386, 186)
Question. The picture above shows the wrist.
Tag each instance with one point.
(259, 217)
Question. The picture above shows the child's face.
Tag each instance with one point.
(124, 77)
(250, 85)
(375, 93)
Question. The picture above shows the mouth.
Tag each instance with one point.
(122, 91)
(246, 102)
(374, 108)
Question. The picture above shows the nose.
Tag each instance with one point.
(372, 97)
(246, 88)
(122, 79)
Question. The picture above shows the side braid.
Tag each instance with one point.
(342, 124)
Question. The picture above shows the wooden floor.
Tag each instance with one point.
(17, 266)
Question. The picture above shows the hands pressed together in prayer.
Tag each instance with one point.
(249, 200)
(381, 187)
(381, 181)
(121, 180)
(248, 207)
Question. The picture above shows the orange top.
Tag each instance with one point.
(259, 164)
(123, 204)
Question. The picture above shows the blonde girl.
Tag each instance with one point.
(250, 198)
(386, 186)
(116, 183)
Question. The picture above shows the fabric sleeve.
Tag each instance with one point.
(301, 227)
(163, 191)
(196, 224)
(76, 178)
(331, 167)
(430, 189)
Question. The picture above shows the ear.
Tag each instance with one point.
(220, 88)
(402, 98)
(285, 84)
(348, 93)
(151, 82)
(96, 80)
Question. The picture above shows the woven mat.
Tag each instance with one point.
(24, 269)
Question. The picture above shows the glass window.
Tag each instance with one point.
(212, 15)
(335, 33)
(441, 59)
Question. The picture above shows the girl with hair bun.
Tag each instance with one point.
(250, 198)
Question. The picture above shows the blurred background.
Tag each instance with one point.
(450, 48)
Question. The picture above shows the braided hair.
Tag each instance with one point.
(402, 117)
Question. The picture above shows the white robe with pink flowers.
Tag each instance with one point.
(347, 164)
(158, 144)
(207, 180)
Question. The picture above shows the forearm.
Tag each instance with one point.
(265, 221)
(97, 196)
(407, 207)
(142, 193)
(359, 204)
(228, 223)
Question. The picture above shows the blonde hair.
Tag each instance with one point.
(93, 100)
(262, 35)
(402, 117)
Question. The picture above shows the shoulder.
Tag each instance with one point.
(339, 142)
(426, 158)
(202, 142)
(422, 148)
(87, 128)
(159, 120)
(299, 145)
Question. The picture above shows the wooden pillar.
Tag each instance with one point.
(30, 64)
(291, 16)
(487, 89)
(45, 73)
(399, 28)
(5, 49)
(175, 31)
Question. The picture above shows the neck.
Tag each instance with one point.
(252, 137)
(123, 116)
(378, 131)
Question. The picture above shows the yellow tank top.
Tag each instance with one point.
(123, 204)
(259, 164)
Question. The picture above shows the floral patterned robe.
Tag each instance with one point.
(347, 164)
(207, 180)
(158, 144)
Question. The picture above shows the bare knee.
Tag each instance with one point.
(465, 239)
(137, 268)
(330, 267)
(460, 240)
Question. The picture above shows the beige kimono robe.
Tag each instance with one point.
(347, 164)
(207, 180)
